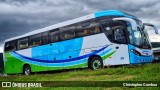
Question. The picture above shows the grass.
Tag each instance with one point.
(147, 72)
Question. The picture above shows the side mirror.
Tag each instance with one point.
(151, 25)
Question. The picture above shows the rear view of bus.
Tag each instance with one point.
(101, 39)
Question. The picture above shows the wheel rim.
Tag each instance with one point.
(96, 64)
(27, 71)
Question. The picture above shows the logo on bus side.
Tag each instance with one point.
(122, 58)
(146, 52)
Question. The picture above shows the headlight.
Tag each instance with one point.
(136, 52)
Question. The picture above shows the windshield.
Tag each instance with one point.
(145, 38)
(134, 36)
(140, 37)
(137, 37)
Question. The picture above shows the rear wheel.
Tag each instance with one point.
(26, 70)
(95, 63)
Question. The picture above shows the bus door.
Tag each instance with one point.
(120, 42)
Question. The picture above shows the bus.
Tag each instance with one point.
(155, 42)
(100, 39)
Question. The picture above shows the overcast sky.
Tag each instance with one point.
(21, 16)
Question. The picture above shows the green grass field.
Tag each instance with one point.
(147, 72)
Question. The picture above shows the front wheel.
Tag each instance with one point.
(26, 70)
(95, 63)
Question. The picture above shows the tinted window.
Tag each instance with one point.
(67, 32)
(35, 40)
(10, 46)
(107, 27)
(119, 36)
(45, 38)
(91, 29)
(54, 36)
(85, 24)
(23, 43)
(118, 28)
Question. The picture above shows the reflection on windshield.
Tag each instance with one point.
(134, 36)
(137, 36)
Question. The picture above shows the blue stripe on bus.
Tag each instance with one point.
(112, 13)
(108, 13)
(105, 52)
(65, 64)
(60, 61)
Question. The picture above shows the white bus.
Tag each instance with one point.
(101, 39)
(155, 41)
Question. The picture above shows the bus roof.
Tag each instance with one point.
(69, 22)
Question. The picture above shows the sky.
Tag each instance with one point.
(18, 17)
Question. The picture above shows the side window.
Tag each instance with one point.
(87, 30)
(10, 46)
(54, 36)
(35, 40)
(45, 38)
(23, 43)
(107, 29)
(119, 32)
(67, 32)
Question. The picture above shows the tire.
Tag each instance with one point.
(95, 63)
(26, 70)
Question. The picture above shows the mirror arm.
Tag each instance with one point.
(155, 28)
